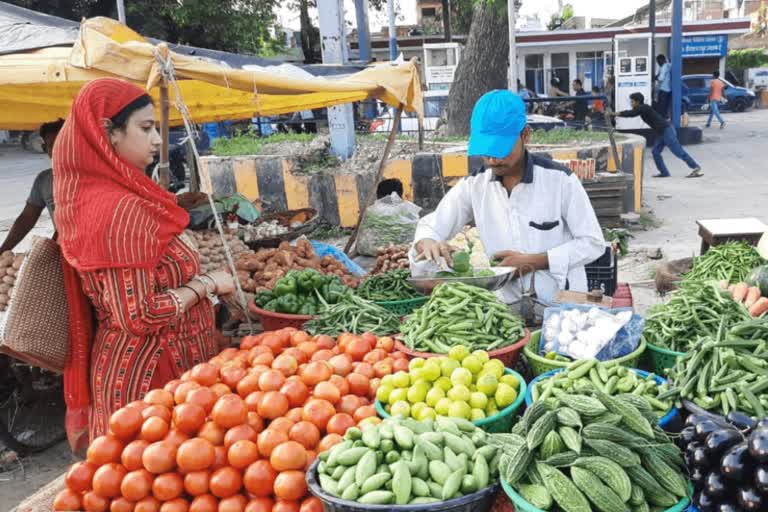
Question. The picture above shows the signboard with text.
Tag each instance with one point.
(705, 46)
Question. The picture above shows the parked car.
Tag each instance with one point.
(738, 99)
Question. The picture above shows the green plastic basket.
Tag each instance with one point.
(523, 506)
(540, 364)
(498, 423)
(659, 359)
(403, 307)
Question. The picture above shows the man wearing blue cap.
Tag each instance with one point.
(532, 213)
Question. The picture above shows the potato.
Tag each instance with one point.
(4, 299)
(11, 272)
(5, 288)
(9, 280)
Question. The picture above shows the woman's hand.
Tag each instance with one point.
(223, 281)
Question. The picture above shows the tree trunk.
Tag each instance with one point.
(483, 65)
(306, 31)
(447, 20)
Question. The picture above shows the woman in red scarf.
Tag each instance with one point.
(122, 245)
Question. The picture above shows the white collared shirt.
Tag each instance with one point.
(548, 211)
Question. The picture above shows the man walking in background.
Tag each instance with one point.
(716, 88)
(664, 79)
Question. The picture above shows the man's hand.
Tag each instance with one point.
(524, 263)
(432, 250)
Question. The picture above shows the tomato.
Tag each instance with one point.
(286, 506)
(273, 405)
(290, 485)
(125, 423)
(159, 457)
(327, 391)
(220, 459)
(305, 433)
(295, 391)
(225, 482)
(107, 480)
(228, 354)
(357, 348)
(271, 380)
(248, 342)
(131, 456)
(171, 386)
(323, 354)
(400, 365)
(154, 429)
(92, 502)
(252, 400)
(159, 411)
(248, 384)
(167, 487)
(255, 422)
(329, 441)
(382, 368)
(176, 436)
(294, 414)
(177, 505)
(371, 420)
(196, 482)
(148, 504)
(339, 423)
(373, 387)
(288, 455)
(266, 359)
(104, 449)
(212, 433)
(308, 348)
(374, 356)
(311, 456)
(231, 376)
(263, 504)
(358, 384)
(220, 389)
(229, 411)
(196, 454)
(180, 395)
(318, 411)
(341, 364)
(365, 369)
(297, 354)
(324, 341)
(242, 454)
(311, 504)
(348, 404)
(385, 343)
(159, 397)
(239, 433)
(234, 503)
(282, 423)
(269, 439)
(188, 418)
(205, 374)
(121, 505)
(370, 338)
(259, 478)
(67, 500)
(285, 364)
(204, 503)
(79, 477)
(257, 351)
(204, 397)
(316, 372)
(341, 384)
(136, 484)
(364, 412)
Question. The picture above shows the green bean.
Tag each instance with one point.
(731, 261)
(390, 286)
(354, 315)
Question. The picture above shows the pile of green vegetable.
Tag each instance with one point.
(305, 292)
(353, 315)
(611, 378)
(726, 372)
(579, 453)
(459, 314)
(409, 462)
(731, 262)
(693, 311)
(389, 286)
(463, 268)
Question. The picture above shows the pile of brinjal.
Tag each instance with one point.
(727, 459)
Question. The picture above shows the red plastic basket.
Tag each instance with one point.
(507, 355)
(272, 321)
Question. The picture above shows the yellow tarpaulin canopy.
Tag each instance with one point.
(39, 86)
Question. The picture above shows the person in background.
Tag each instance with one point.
(41, 195)
(716, 88)
(664, 83)
(598, 106)
(580, 107)
(665, 136)
(554, 89)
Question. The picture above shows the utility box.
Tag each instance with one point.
(440, 63)
(633, 74)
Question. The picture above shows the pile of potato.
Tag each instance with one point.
(393, 257)
(9, 266)
(212, 255)
(261, 270)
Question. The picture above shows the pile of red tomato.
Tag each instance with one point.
(235, 434)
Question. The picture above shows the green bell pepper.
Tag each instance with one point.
(308, 309)
(308, 280)
(288, 304)
(285, 286)
(263, 297)
(271, 305)
(461, 262)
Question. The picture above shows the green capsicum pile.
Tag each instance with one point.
(305, 292)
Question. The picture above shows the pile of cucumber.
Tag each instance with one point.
(408, 462)
(579, 453)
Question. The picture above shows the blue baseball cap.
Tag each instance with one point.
(497, 121)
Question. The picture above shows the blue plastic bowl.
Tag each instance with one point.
(663, 422)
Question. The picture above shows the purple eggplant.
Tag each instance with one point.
(740, 420)
(698, 477)
(687, 435)
(700, 459)
(762, 423)
(761, 479)
(728, 507)
(706, 427)
(719, 441)
(715, 484)
(750, 499)
(758, 444)
(705, 502)
(735, 462)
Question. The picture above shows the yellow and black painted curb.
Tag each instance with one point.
(272, 181)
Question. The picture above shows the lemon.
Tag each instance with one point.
(478, 400)
(442, 406)
(434, 395)
(505, 395)
(458, 353)
(447, 365)
(487, 384)
(459, 410)
(416, 362)
(382, 394)
(512, 381)
(401, 380)
(494, 367)
(473, 364)
(427, 413)
(461, 377)
(388, 380)
(477, 414)
(401, 408)
(398, 395)
(417, 408)
(443, 383)
(491, 408)
(459, 394)
(482, 355)
(431, 370)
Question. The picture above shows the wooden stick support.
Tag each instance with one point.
(611, 138)
(369, 197)
(164, 169)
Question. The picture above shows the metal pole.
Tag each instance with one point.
(392, 30)
(363, 30)
(652, 28)
(121, 11)
(512, 17)
(676, 57)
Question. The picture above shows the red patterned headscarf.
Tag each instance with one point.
(109, 214)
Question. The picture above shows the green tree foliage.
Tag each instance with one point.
(739, 60)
